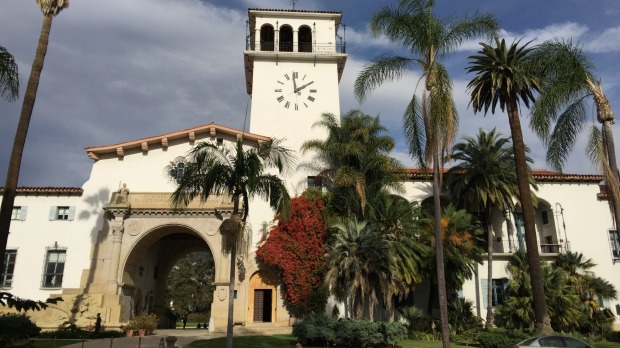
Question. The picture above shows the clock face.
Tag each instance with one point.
(295, 90)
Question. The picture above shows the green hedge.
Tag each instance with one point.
(319, 329)
(15, 327)
(500, 338)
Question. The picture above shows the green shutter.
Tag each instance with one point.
(71, 213)
(23, 211)
(484, 283)
(53, 210)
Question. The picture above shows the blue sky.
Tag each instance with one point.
(120, 70)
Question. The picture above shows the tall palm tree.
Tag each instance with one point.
(353, 161)
(241, 174)
(359, 269)
(50, 8)
(430, 122)
(9, 76)
(485, 179)
(569, 84)
(503, 75)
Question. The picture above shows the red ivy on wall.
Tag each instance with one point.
(296, 248)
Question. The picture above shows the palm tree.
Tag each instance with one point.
(569, 84)
(484, 178)
(354, 161)
(587, 285)
(399, 222)
(430, 123)
(502, 75)
(9, 76)
(50, 8)
(461, 240)
(241, 174)
(359, 269)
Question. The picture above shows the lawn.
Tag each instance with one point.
(46, 343)
(289, 341)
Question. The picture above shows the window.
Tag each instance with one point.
(314, 182)
(545, 217)
(54, 268)
(19, 213)
(500, 291)
(62, 213)
(614, 242)
(6, 277)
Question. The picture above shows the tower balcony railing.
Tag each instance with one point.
(313, 48)
(512, 246)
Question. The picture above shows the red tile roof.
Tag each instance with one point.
(539, 175)
(47, 190)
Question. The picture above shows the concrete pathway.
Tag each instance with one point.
(184, 337)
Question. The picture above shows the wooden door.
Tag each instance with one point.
(259, 302)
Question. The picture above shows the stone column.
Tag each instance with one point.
(117, 211)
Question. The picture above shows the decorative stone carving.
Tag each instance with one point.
(132, 227)
(221, 293)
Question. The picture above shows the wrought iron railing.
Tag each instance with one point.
(316, 48)
(512, 246)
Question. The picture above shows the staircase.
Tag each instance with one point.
(262, 329)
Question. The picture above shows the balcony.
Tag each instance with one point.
(512, 246)
(313, 48)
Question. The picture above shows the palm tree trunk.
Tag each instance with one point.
(231, 298)
(610, 148)
(231, 283)
(488, 217)
(543, 321)
(10, 187)
(441, 277)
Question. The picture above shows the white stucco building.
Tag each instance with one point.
(108, 246)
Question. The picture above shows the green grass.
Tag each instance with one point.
(289, 341)
(46, 343)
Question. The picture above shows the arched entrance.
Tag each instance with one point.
(262, 297)
(146, 268)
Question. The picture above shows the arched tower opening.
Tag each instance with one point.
(286, 38)
(305, 39)
(267, 38)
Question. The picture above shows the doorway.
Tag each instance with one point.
(262, 305)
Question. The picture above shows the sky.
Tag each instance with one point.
(119, 70)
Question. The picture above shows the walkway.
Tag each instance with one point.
(184, 337)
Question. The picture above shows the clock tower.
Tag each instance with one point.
(293, 63)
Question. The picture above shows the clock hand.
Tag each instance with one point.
(302, 87)
(294, 83)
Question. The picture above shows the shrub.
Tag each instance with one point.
(147, 322)
(424, 336)
(358, 333)
(15, 327)
(417, 319)
(613, 336)
(468, 337)
(500, 338)
(316, 328)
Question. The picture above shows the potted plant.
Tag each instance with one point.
(145, 324)
(129, 330)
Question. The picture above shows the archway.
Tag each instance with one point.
(266, 37)
(305, 39)
(286, 39)
(262, 297)
(148, 264)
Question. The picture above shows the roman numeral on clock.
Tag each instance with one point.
(280, 99)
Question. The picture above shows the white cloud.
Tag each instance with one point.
(607, 41)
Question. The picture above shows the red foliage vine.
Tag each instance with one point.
(296, 247)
